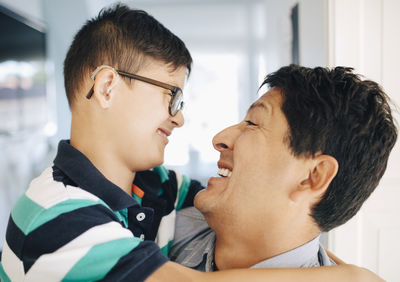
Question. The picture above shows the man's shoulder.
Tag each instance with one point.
(194, 240)
(189, 224)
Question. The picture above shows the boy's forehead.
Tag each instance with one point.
(165, 72)
(151, 63)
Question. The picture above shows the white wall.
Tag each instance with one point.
(278, 33)
(364, 34)
(313, 32)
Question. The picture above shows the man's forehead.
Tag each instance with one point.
(263, 103)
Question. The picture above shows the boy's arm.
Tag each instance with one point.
(171, 271)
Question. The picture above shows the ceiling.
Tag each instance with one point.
(20, 39)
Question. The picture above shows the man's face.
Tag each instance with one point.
(257, 167)
(141, 121)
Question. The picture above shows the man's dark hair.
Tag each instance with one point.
(334, 112)
(122, 38)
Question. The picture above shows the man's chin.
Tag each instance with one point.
(196, 199)
(204, 202)
(208, 199)
(199, 201)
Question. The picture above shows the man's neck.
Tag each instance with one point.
(247, 249)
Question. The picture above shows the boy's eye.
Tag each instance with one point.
(250, 122)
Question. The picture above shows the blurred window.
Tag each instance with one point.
(226, 41)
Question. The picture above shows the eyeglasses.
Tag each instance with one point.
(176, 104)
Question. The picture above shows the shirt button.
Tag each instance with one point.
(140, 216)
(141, 237)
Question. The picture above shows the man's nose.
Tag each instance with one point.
(225, 139)
(178, 120)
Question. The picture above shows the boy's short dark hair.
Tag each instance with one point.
(120, 37)
(334, 112)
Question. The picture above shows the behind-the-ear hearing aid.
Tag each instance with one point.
(108, 90)
(98, 69)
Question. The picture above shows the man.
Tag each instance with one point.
(307, 155)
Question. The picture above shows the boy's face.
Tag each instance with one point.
(141, 120)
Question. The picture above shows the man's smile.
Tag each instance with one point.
(224, 172)
(224, 169)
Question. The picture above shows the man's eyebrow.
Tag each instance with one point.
(258, 104)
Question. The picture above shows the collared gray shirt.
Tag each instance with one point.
(194, 245)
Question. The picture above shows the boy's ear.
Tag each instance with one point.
(104, 83)
(322, 171)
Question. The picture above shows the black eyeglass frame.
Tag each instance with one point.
(176, 103)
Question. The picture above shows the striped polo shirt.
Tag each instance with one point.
(74, 224)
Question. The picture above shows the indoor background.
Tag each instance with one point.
(234, 44)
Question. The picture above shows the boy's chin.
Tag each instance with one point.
(157, 162)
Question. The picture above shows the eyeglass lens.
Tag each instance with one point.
(176, 103)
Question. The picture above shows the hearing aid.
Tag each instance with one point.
(98, 69)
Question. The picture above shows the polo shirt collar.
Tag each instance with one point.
(82, 172)
(306, 255)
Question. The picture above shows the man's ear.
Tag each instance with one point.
(104, 83)
(323, 169)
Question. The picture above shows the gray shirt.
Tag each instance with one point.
(194, 245)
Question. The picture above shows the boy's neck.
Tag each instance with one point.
(106, 163)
